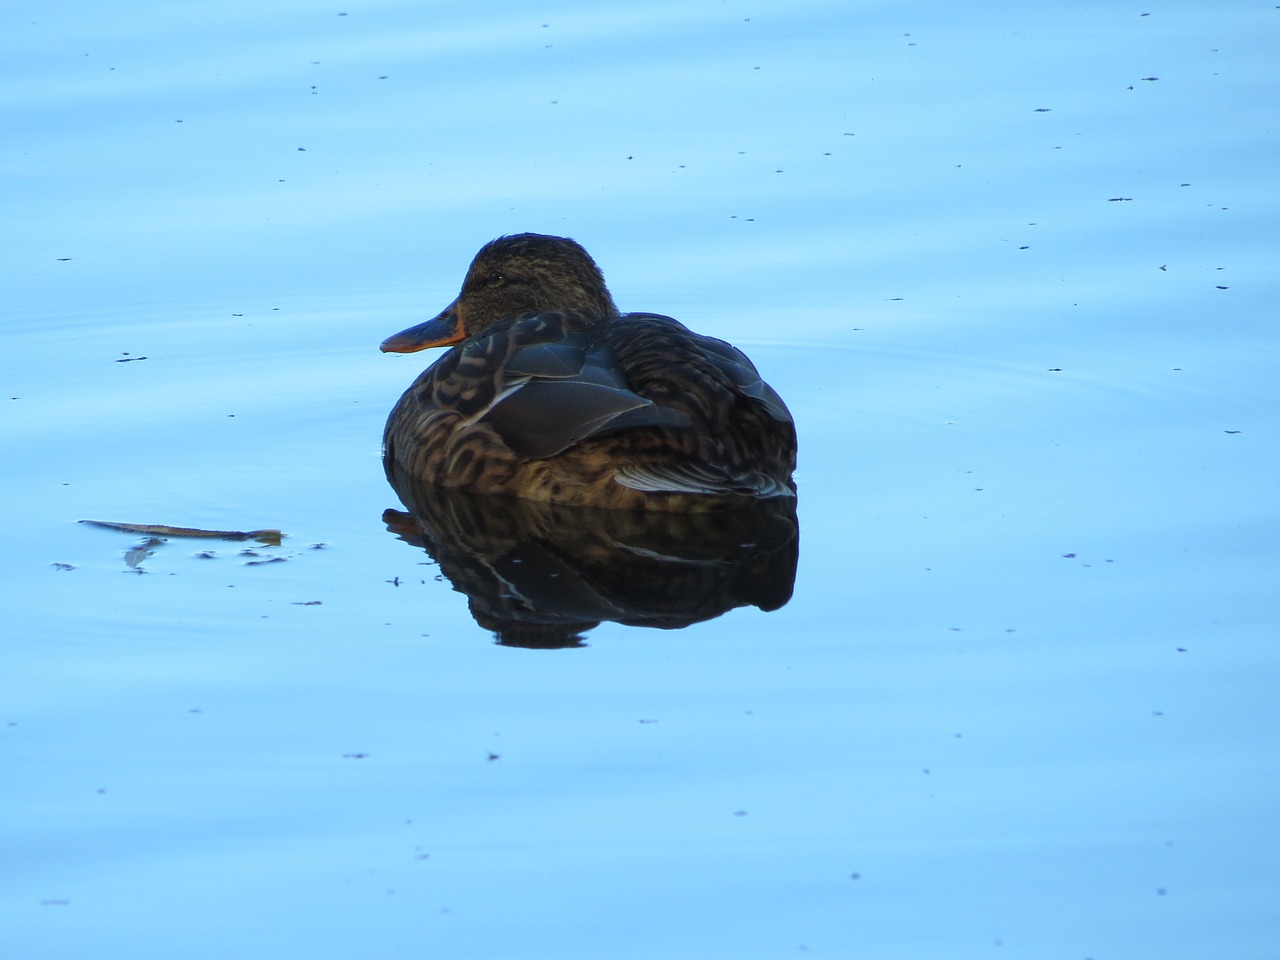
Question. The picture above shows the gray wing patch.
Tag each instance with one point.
(698, 478)
(553, 360)
(543, 417)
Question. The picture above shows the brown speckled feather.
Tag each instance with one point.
(552, 396)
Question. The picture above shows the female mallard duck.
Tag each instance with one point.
(552, 395)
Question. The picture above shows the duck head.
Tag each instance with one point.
(512, 277)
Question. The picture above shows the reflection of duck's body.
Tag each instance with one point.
(541, 574)
(552, 395)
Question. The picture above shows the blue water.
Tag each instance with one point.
(1013, 269)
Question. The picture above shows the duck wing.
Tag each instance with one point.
(742, 440)
(735, 365)
(551, 384)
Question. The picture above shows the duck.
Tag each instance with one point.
(548, 393)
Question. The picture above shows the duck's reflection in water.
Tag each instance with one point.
(540, 575)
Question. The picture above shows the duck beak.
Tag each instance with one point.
(440, 331)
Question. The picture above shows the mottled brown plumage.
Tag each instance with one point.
(551, 395)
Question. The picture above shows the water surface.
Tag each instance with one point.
(1012, 268)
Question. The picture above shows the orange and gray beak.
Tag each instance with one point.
(440, 331)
